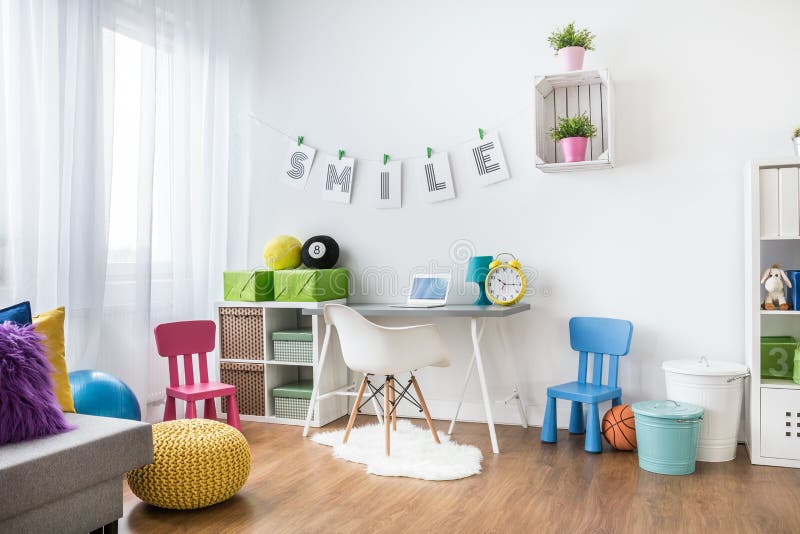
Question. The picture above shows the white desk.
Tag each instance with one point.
(477, 316)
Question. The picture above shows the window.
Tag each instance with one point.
(141, 131)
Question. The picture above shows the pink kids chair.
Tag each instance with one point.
(188, 338)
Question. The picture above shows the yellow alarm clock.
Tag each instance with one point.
(505, 283)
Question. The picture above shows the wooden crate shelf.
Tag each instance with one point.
(565, 95)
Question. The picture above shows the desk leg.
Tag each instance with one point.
(487, 405)
(466, 382)
(516, 395)
(315, 389)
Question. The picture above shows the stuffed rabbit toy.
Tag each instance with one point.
(773, 279)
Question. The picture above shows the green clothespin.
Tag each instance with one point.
(480, 132)
(430, 151)
(385, 159)
(299, 140)
(341, 153)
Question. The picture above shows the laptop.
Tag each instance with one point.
(427, 291)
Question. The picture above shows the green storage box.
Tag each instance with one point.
(797, 367)
(311, 285)
(292, 400)
(293, 346)
(249, 286)
(778, 356)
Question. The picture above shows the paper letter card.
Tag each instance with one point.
(486, 161)
(298, 165)
(338, 179)
(387, 185)
(436, 177)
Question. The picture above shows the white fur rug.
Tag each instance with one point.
(414, 453)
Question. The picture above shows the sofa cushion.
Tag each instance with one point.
(34, 473)
(51, 325)
(18, 313)
(28, 406)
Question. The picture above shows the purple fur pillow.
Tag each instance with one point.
(28, 406)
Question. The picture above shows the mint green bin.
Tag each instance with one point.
(667, 433)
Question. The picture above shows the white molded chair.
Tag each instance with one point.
(372, 349)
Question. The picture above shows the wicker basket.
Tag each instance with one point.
(249, 381)
(241, 333)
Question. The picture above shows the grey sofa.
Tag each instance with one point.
(71, 482)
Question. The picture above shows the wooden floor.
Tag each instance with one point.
(296, 486)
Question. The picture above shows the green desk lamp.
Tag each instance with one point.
(477, 269)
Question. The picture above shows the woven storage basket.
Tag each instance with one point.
(196, 463)
(249, 381)
(241, 333)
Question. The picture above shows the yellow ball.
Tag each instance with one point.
(282, 252)
(196, 463)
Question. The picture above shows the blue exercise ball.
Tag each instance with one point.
(103, 394)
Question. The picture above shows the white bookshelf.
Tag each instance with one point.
(282, 316)
(772, 406)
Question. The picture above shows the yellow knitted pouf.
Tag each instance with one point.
(196, 463)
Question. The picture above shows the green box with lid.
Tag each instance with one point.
(292, 400)
(294, 346)
(311, 285)
(249, 286)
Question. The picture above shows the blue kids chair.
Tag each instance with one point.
(599, 336)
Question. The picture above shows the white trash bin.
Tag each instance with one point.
(717, 386)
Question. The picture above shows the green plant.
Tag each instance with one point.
(576, 126)
(568, 36)
(796, 132)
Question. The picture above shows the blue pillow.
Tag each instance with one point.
(18, 313)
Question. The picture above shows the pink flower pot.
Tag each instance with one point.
(574, 148)
(572, 57)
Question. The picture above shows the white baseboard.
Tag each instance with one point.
(471, 411)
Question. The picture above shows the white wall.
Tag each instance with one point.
(700, 88)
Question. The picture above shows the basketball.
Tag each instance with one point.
(619, 429)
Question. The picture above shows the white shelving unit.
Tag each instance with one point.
(287, 315)
(772, 406)
(567, 94)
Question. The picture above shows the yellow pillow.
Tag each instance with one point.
(51, 326)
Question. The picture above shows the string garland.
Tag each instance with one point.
(508, 119)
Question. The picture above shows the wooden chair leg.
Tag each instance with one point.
(394, 408)
(169, 409)
(354, 413)
(233, 413)
(191, 410)
(210, 409)
(386, 419)
(425, 409)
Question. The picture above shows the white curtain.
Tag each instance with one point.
(121, 169)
